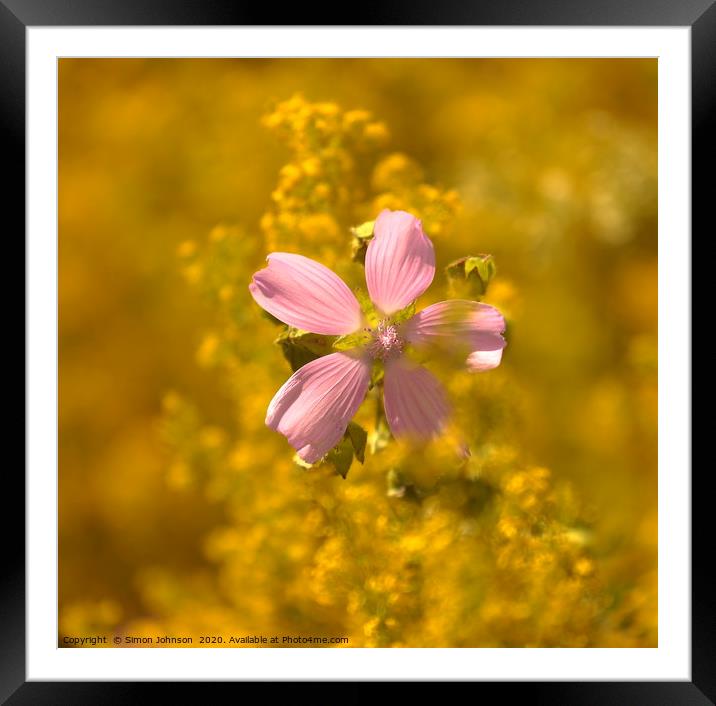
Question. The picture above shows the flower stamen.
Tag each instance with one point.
(387, 342)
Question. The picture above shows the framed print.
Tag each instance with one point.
(358, 350)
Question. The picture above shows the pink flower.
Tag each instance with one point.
(313, 408)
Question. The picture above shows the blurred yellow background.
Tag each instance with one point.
(182, 514)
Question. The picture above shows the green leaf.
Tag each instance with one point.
(341, 457)
(404, 314)
(362, 235)
(366, 305)
(364, 231)
(475, 270)
(301, 347)
(359, 438)
(484, 265)
(352, 340)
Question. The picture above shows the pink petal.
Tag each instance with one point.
(475, 326)
(479, 361)
(315, 404)
(415, 402)
(307, 295)
(399, 262)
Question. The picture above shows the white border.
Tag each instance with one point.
(671, 660)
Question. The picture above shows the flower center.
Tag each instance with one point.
(386, 341)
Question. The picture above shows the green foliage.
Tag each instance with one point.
(358, 438)
(362, 235)
(301, 347)
(340, 457)
(352, 340)
(372, 317)
(404, 314)
(474, 270)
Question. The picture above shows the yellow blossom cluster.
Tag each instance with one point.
(341, 172)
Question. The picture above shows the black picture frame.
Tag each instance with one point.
(17, 15)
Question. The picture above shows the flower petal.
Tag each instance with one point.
(415, 402)
(459, 323)
(313, 407)
(306, 294)
(399, 262)
(480, 361)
